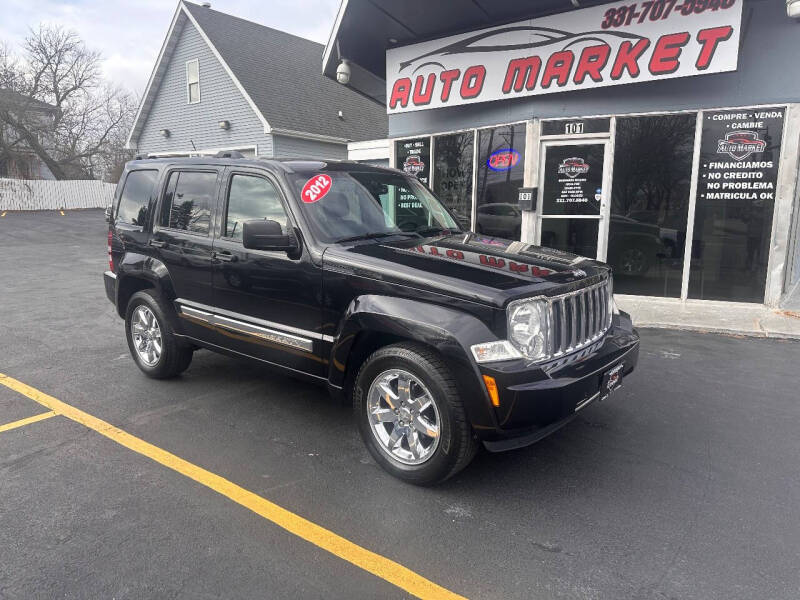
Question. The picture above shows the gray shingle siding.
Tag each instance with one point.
(219, 100)
(291, 147)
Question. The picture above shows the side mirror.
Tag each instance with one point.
(265, 234)
(107, 214)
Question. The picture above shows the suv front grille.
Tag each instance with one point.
(579, 318)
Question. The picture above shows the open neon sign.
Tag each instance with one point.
(503, 159)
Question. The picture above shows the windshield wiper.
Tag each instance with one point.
(371, 236)
(435, 230)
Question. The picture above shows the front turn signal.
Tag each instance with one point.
(491, 387)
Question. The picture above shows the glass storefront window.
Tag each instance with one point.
(573, 179)
(646, 226)
(453, 174)
(501, 170)
(571, 195)
(650, 203)
(578, 236)
(414, 158)
(739, 156)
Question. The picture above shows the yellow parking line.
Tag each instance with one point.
(367, 560)
(28, 421)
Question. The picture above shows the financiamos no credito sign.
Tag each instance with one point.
(612, 44)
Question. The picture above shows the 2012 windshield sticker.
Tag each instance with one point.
(316, 188)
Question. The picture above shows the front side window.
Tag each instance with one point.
(134, 203)
(351, 205)
(252, 198)
(188, 201)
(193, 81)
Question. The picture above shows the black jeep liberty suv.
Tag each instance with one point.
(358, 278)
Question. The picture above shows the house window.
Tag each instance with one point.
(193, 81)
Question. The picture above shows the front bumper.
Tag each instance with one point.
(536, 400)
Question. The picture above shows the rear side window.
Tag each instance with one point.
(252, 198)
(134, 203)
(188, 201)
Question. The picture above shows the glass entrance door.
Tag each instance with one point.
(573, 208)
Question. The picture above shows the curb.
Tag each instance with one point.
(774, 335)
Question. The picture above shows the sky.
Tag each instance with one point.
(129, 33)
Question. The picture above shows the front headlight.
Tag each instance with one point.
(528, 327)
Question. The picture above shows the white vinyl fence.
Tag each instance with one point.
(23, 194)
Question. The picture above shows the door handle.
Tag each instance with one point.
(157, 243)
(224, 256)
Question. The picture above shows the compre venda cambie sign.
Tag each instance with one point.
(612, 44)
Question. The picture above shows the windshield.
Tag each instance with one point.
(346, 206)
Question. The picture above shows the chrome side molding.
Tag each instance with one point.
(265, 333)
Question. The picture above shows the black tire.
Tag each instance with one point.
(176, 356)
(457, 444)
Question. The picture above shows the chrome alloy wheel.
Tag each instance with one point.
(146, 335)
(403, 417)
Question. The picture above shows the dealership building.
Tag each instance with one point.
(659, 136)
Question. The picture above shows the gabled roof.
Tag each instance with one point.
(12, 99)
(278, 73)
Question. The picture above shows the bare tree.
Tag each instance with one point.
(83, 135)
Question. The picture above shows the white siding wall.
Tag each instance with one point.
(220, 100)
(20, 194)
(291, 147)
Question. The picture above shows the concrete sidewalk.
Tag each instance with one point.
(719, 317)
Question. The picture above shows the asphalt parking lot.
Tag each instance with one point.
(685, 484)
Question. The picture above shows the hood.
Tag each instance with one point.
(467, 265)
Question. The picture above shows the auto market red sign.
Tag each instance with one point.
(611, 44)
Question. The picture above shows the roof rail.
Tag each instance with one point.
(229, 154)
